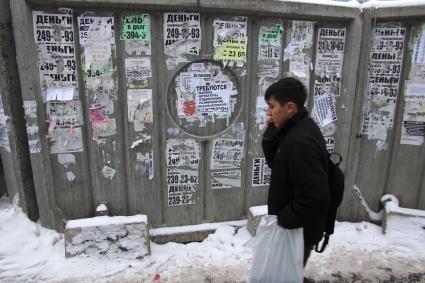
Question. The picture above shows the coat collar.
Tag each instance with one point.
(301, 114)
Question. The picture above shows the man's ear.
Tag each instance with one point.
(292, 107)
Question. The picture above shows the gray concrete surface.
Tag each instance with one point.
(131, 193)
(16, 166)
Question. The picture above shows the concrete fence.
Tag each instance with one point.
(156, 107)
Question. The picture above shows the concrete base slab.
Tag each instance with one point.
(190, 233)
(394, 215)
(254, 216)
(118, 236)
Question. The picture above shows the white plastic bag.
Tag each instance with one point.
(278, 253)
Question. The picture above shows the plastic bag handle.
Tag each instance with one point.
(325, 242)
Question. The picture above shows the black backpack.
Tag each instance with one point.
(336, 186)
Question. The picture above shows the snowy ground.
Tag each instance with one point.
(358, 252)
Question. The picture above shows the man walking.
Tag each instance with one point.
(295, 150)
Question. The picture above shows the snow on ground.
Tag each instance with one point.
(357, 251)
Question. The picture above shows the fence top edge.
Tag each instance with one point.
(281, 8)
(395, 12)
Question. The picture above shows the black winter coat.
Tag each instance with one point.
(299, 187)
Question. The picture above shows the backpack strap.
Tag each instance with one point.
(325, 242)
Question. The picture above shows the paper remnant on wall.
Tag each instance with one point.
(30, 108)
(329, 60)
(330, 144)
(139, 103)
(418, 56)
(64, 114)
(226, 179)
(230, 40)
(226, 153)
(261, 112)
(108, 172)
(205, 95)
(182, 153)
(138, 72)
(260, 172)
(269, 50)
(54, 37)
(182, 185)
(298, 50)
(385, 63)
(413, 125)
(96, 30)
(325, 109)
(34, 146)
(182, 38)
(136, 28)
(64, 140)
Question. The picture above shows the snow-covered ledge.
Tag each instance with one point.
(189, 233)
(117, 236)
(413, 219)
(254, 216)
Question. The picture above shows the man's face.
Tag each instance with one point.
(280, 113)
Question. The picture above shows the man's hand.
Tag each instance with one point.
(269, 119)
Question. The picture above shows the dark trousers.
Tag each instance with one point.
(307, 252)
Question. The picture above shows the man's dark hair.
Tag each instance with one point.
(286, 90)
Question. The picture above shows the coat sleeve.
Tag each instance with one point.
(311, 186)
(270, 144)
